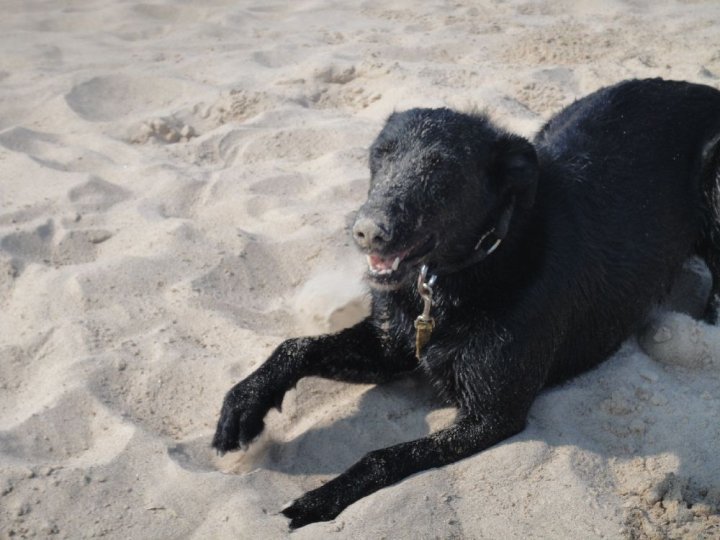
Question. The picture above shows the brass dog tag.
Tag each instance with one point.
(423, 331)
(424, 324)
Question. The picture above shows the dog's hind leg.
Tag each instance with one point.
(356, 354)
(709, 245)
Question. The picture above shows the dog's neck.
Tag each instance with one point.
(492, 235)
(488, 276)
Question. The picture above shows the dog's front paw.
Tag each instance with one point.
(241, 419)
(312, 507)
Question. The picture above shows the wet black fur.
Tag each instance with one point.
(615, 192)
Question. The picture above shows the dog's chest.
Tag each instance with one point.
(396, 319)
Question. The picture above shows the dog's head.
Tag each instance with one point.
(439, 180)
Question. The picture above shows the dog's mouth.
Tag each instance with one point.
(388, 270)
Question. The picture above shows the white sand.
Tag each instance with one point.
(176, 185)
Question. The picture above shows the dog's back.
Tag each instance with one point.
(626, 196)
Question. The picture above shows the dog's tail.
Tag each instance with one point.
(709, 244)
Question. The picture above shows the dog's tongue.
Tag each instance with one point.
(384, 264)
(380, 263)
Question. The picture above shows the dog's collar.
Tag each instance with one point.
(488, 242)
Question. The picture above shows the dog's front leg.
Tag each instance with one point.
(493, 382)
(382, 468)
(357, 354)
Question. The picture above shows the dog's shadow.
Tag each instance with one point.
(642, 425)
(386, 414)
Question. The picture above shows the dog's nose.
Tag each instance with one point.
(370, 233)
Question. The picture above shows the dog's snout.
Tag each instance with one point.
(371, 233)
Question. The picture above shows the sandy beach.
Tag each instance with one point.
(177, 181)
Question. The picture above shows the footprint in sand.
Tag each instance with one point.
(96, 195)
(76, 430)
(52, 150)
(26, 141)
(115, 97)
(38, 245)
(33, 245)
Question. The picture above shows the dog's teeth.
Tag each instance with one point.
(379, 266)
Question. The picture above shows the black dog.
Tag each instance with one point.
(535, 262)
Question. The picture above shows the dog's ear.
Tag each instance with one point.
(515, 165)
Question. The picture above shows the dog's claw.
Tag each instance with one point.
(236, 433)
(241, 421)
(298, 516)
(310, 508)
